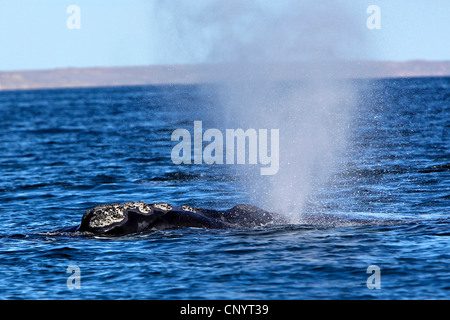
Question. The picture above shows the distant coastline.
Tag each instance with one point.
(192, 74)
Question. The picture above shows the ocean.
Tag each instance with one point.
(64, 151)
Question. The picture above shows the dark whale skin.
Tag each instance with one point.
(131, 217)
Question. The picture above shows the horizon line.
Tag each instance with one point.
(138, 75)
(221, 63)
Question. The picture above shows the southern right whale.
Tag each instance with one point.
(134, 217)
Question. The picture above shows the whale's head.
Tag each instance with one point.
(120, 219)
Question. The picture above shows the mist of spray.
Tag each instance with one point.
(254, 45)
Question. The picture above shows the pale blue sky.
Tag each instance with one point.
(34, 35)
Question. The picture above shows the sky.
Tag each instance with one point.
(34, 34)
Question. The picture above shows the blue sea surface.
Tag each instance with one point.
(67, 150)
